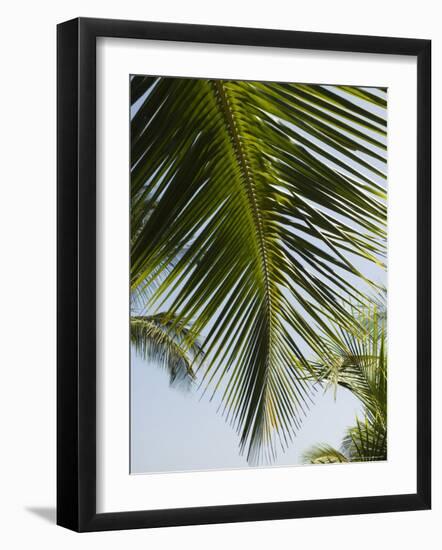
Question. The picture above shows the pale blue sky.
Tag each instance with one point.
(172, 430)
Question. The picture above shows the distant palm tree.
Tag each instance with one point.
(153, 339)
(159, 340)
(249, 203)
(358, 362)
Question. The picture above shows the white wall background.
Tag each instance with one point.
(27, 289)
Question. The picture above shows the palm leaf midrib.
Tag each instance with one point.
(248, 188)
(234, 128)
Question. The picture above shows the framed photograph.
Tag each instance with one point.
(243, 274)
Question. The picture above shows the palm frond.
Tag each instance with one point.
(324, 454)
(159, 341)
(358, 362)
(366, 441)
(270, 189)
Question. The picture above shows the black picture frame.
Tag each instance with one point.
(76, 274)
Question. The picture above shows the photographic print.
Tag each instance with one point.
(258, 274)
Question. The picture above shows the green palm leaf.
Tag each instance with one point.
(324, 454)
(266, 192)
(159, 341)
(357, 361)
(367, 441)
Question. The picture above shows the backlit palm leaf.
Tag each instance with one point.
(266, 192)
(357, 361)
(324, 454)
